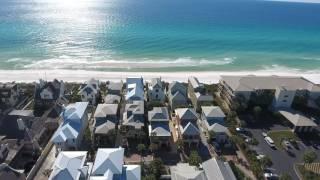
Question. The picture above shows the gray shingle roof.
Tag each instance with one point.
(183, 171)
(158, 114)
(213, 111)
(250, 83)
(217, 170)
(103, 110)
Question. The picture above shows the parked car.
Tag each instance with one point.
(260, 156)
(240, 130)
(269, 141)
(270, 176)
(264, 134)
(286, 144)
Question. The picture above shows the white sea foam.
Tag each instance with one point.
(66, 62)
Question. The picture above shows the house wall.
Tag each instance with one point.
(91, 97)
(283, 98)
(156, 94)
(46, 94)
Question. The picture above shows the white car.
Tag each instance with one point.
(260, 156)
(270, 175)
(264, 134)
(269, 141)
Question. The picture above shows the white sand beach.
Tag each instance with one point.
(83, 75)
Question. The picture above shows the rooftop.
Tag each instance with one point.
(158, 114)
(183, 171)
(297, 119)
(250, 83)
(213, 111)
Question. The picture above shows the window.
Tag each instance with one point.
(286, 96)
(284, 100)
(157, 90)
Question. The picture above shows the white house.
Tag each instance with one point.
(109, 164)
(9, 93)
(135, 89)
(70, 165)
(90, 91)
(177, 95)
(70, 132)
(156, 90)
(159, 131)
(48, 93)
(187, 119)
(133, 119)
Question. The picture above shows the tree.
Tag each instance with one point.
(285, 176)
(212, 135)
(194, 159)
(309, 157)
(257, 111)
(266, 162)
(155, 167)
(179, 144)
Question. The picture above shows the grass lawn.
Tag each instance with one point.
(278, 136)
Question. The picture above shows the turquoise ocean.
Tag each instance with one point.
(159, 35)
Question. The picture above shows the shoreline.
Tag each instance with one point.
(78, 76)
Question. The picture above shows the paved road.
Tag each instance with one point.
(46, 165)
(282, 162)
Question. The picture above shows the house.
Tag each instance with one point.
(212, 169)
(90, 91)
(135, 90)
(216, 169)
(133, 119)
(69, 134)
(299, 122)
(109, 164)
(159, 131)
(284, 88)
(9, 94)
(187, 119)
(70, 165)
(183, 171)
(21, 137)
(211, 115)
(220, 133)
(49, 93)
(156, 90)
(197, 93)
(105, 121)
(177, 95)
(114, 88)
(112, 99)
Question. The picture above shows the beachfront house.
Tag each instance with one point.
(159, 131)
(112, 99)
(283, 88)
(177, 95)
(105, 121)
(9, 94)
(197, 93)
(189, 132)
(114, 88)
(70, 165)
(109, 164)
(90, 91)
(133, 120)
(70, 133)
(135, 90)
(156, 91)
(48, 94)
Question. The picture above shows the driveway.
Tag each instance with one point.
(282, 162)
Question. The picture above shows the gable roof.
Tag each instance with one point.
(104, 128)
(133, 172)
(115, 86)
(68, 165)
(75, 111)
(297, 119)
(66, 131)
(218, 170)
(216, 127)
(108, 159)
(156, 83)
(103, 110)
(159, 129)
(189, 129)
(112, 98)
(179, 87)
(213, 111)
(90, 86)
(183, 171)
(186, 114)
(56, 87)
(158, 114)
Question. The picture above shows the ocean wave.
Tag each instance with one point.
(66, 62)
